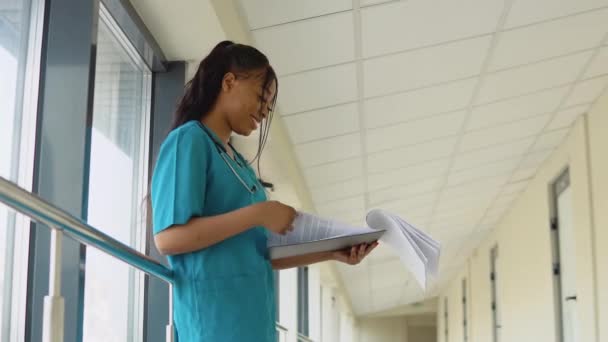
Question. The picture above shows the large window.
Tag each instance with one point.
(113, 308)
(20, 33)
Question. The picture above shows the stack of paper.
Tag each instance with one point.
(418, 251)
(312, 234)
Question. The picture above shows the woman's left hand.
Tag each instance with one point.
(355, 254)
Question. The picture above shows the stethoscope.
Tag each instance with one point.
(224, 154)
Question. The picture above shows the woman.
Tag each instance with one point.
(210, 213)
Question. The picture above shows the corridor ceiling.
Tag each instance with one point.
(440, 111)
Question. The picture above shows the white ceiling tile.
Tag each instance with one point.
(410, 155)
(523, 174)
(535, 159)
(321, 42)
(406, 106)
(329, 150)
(483, 171)
(387, 274)
(323, 123)
(459, 195)
(413, 132)
(565, 118)
(261, 13)
(514, 188)
(483, 187)
(550, 140)
(525, 12)
(450, 204)
(504, 200)
(550, 39)
(599, 65)
(317, 88)
(365, 3)
(529, 78)
(491, 154)
(411, 24)
(408, 174)
(338, 190)
(411, 203)
(504, 133)
(517, 108)
(401, 192)
(463, 222)
(353, 204)
(334, 172)
(416, 69)
(421, 211)
(383, 299)
(587, 91)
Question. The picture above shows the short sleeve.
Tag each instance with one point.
(179, 180)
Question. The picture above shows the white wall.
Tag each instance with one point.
(410, 328)
(392, 329)
(524, 278)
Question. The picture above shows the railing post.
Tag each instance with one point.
(169, 330)
(52, 324)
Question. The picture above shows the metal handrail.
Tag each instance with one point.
(59, 220)
(304, 338)
(44, 212)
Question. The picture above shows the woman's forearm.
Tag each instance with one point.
(202, 232)
(301, 260)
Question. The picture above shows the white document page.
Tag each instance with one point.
(308, 227)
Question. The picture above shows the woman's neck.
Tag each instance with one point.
(218, 125)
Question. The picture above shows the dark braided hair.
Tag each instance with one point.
(202, 91)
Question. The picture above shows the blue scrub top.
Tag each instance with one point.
(224, 292)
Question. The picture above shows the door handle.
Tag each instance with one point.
(570, 298)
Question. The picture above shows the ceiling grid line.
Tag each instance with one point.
(486, 64)
(579, 77)
(361, 109)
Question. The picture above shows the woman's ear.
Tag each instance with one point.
(228, 81)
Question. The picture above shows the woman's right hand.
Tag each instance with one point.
(276, 216)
